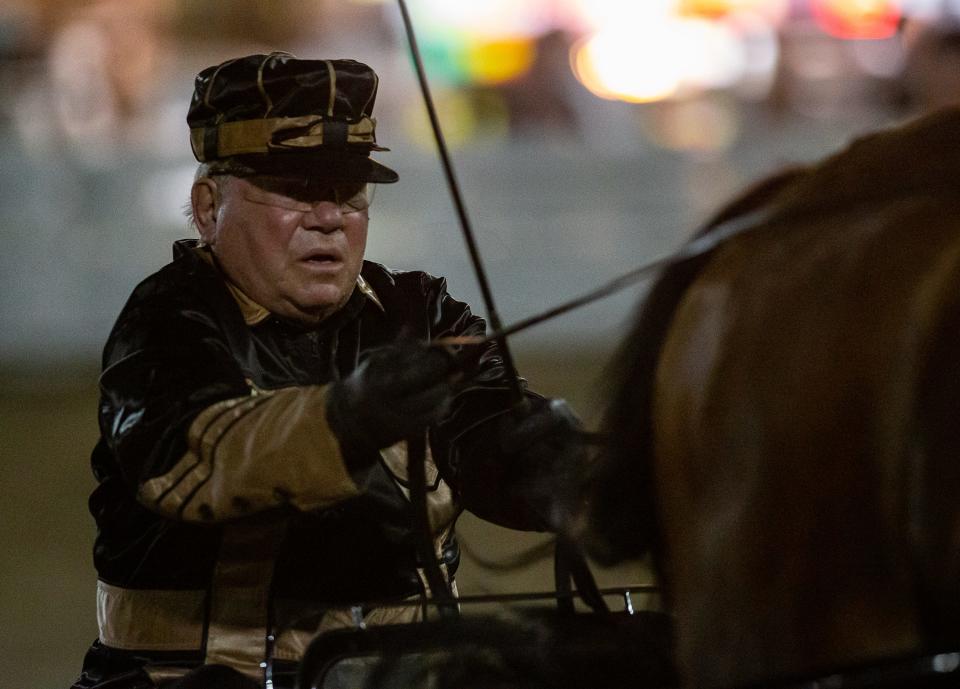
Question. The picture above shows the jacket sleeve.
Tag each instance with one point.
(487, 480)
(193, 439)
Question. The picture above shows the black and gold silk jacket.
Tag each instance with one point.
(226, 508)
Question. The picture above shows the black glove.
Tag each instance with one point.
(550, 459)
(397, 391)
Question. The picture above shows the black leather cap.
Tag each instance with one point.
(277, 114)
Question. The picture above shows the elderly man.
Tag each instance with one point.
(257, 391)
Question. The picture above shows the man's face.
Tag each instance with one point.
(294, 246)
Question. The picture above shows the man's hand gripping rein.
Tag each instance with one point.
(396, 392)
(544, 443)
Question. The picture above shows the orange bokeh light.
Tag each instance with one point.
(715, 9)
(772, 11)
(857, 19)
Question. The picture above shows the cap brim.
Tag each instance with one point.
(343, 168)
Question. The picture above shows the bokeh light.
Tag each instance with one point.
(498, 61)
(857, 19)
(601, 15)
(666, 57)
(772, 11)
(618, 65)
(491, 18)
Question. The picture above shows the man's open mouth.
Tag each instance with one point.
(321, 257)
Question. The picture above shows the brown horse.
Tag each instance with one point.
(788, 421)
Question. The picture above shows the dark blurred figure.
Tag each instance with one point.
(931, 75)
(539, 101)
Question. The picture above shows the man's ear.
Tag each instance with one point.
(204, 202)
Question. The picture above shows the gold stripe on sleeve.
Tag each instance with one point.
(249, 454)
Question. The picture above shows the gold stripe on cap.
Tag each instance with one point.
(260, 87)
(373, 92)
(253, 136)
(263, 91)
(333, 87)
(206, 96)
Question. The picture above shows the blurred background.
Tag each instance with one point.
(589, 136)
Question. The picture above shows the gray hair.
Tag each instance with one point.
(219, 171)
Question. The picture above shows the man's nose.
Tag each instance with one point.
(324, 216)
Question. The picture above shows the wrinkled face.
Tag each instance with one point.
(294, 246)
